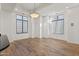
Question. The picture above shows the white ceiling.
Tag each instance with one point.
(26, 6)
(59, 7)
(32, 6)
(40, 7)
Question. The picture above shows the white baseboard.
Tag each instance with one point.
(68, 41)
(72, 42)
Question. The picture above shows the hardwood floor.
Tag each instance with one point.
(41, 47)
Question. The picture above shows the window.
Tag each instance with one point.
(21, 24)
(58, 24)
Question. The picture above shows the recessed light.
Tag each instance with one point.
(67, 7)
(16, 9)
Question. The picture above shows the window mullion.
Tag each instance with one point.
(22, 24)
(56, 25)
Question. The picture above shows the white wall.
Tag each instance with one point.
(71, 33)
(46, 28)
(36, 28)
(57, 36)
(8, 26)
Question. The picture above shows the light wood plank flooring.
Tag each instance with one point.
(41, 47)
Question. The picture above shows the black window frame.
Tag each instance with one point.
(22, 24)
(56, 20)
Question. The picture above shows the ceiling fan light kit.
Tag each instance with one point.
(34, 15)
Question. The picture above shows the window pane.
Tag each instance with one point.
(24, 18)
(25, 28)
(60, 27)
(61, 17)
(53, 27)
(19, 17)
(19, 26)
(52, 18)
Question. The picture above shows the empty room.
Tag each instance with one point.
(39, 29)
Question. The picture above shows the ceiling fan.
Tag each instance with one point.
(34, 14)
